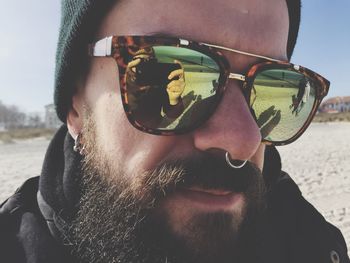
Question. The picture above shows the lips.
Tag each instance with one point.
(215, 192)
(210, 199)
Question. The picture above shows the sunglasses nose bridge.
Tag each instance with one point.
(242, 82)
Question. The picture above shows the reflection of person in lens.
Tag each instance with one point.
(302, 96)
(267, 120)
(147, 85)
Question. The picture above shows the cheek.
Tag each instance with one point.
(102, 79)
(115, 136)
(126, 147)
(102, 94)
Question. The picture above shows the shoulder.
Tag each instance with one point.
(12, 216)
(24, 233)
(24, 199)
(309, 236)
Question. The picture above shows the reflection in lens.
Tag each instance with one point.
(282, 101)
(171, 88)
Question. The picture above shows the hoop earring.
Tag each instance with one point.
(78, 146)
(228, 161)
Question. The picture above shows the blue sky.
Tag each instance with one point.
(29, 31)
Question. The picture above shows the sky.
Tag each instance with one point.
(29, 33)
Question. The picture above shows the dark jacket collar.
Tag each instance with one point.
(59, 193)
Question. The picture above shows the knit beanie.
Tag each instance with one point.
(79, 22)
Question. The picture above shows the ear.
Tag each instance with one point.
(75, 115)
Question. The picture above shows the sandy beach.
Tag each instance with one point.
(319, 162)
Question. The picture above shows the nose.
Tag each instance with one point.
(231, 128)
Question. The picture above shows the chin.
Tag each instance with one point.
(201, 237)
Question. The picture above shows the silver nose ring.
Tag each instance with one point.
(228, 160)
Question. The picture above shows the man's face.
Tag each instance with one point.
(202, 204)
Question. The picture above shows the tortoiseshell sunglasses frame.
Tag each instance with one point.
(122, 48)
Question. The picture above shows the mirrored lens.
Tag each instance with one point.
(171, 88)
(281, 100)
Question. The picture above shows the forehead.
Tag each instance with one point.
(250, 25)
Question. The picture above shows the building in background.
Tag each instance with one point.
(51, 119)
(2, 127)
(335, 105)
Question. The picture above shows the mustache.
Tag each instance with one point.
(204, 170)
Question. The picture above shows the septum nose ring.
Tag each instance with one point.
(229, 162)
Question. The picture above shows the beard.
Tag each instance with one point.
(120, 220)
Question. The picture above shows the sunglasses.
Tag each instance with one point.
(171, 86)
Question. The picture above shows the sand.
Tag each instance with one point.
(319, 162)
(18, 161)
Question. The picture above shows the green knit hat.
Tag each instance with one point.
(79, 22)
